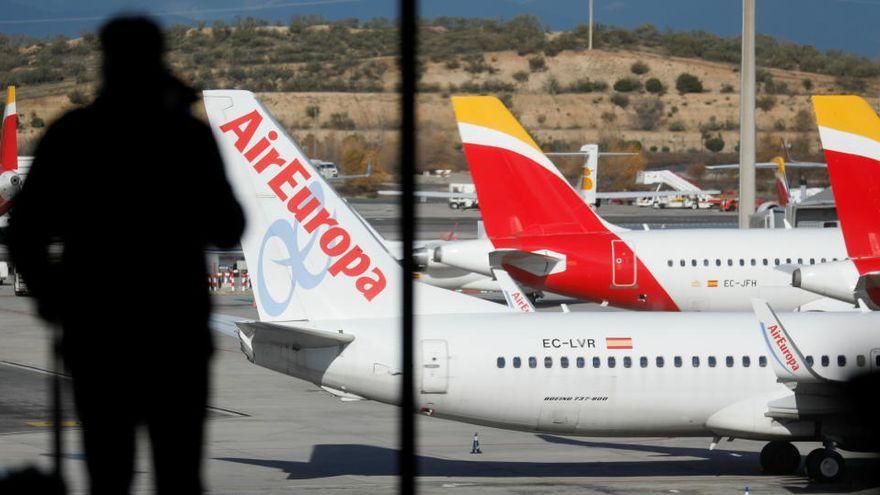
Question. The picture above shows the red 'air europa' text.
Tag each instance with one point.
(780, 342)
(289, 182)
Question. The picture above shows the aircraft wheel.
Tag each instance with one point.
(780, 457)
(694, 206)
(825, 466)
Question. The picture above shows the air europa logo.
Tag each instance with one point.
(290, 183)
(780, 342)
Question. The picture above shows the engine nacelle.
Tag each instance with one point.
(835, 279)
(10, 185)
(470, 255)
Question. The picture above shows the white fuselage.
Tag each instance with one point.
(458, 373)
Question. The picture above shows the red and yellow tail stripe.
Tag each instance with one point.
(8, 136)
(850, 132)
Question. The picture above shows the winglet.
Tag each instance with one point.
(513, 294)
(787, 361)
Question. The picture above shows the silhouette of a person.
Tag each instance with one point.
(130, 181)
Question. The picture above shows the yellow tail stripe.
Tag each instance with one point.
(850, 114)
(489, 112)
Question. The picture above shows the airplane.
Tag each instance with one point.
(10, 180)
(544, 235)
(850, 132)
(328, 298)
(783, 192)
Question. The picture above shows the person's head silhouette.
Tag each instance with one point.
(133, 51)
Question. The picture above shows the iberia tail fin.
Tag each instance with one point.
(850, 133)
(312, 257)
(783, 192)
(521, 192)
(9, 133)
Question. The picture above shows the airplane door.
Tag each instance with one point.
(623, 265)
(435, 367)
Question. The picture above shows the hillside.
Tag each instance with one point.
(333, 86)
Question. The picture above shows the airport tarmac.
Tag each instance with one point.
(436, 218)
(270, 433)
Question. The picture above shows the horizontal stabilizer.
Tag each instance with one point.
(294, 336)
(540, 263)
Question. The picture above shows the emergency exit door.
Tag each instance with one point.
(435, 367)
(623, 265)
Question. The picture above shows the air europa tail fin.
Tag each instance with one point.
(850, 133)
(9, 133)
(521, 191)
(312, 256)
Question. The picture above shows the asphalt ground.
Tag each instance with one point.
(270, 433)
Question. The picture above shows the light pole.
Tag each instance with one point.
(747, 117)
(590, 42)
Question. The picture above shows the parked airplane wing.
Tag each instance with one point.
(735, 166)
(600, 195)
(786, 360)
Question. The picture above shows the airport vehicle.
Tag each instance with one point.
(544, 235)
(462, 196)
(691, 196)
(10, 181)
(328, 296)
(850, 133)
(328, 170)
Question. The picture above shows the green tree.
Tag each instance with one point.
(688, 83)
(654, 85)
(714, 144)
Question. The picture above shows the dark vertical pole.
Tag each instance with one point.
(408, 19)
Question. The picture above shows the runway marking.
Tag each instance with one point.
(49, 424)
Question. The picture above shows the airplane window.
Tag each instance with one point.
(660, 361)
(711, 361)
(776, 261)
(762, 361)
(822, 260)
(627, 362)
(742, 262)
(764, 261)
(717, 262)
(533, 363)
(800, 261)
(841, 360)
(501, 362)
(695, 361)
(729, 262)
(517, 362)
(833, 259)
(812, 261)
(681, 262)
(612, 361)
(693, 262)
(669, 262)
(747, 361)
(729, 361)
(788, 260)
(643, 362)
(825, 361)
(677, 361)
(597, 362)
(753, 263)
(580, 362)
(809, 360)
(563, 361)
(860, 361)
(548, 362)
(705, 262)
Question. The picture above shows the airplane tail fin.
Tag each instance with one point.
(312, 256)
(783, 192)
(9, 133)
(850, 133)
(521, 192)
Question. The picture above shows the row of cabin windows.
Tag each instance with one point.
(677, 361)
(743, 261)
(628, 361)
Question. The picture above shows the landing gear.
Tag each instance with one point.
(825, 465)
(779, 457)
